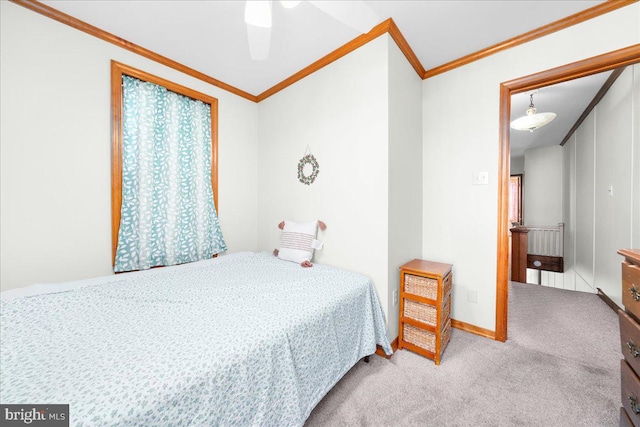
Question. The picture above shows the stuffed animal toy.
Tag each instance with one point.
(298, 241)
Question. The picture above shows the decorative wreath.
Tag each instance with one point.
(311, 160)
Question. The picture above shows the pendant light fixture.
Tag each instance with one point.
(532, 120)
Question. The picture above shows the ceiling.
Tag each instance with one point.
(568, 100)
(211, 37)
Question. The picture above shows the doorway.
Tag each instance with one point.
(515, 199)
(560, 74)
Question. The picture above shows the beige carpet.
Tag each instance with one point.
(559, 367)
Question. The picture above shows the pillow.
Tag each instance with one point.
(298, 241)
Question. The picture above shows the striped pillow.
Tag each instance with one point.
(298, 241)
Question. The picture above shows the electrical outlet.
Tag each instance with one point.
(395, 297)
(472, 296)
(480, 178)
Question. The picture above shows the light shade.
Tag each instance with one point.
(532, 120)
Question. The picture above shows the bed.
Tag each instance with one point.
(245, 339)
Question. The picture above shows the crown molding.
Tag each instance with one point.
(343, 50)
(402, 43)
(69, 20)
(593, 12)
(387, 26)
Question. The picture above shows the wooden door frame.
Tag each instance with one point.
(520, 195)
(575, 70)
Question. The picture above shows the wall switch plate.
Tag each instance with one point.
(395, 297)
(472, 296)
(480, 178)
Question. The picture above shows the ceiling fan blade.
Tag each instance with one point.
(257, 15)
(259, 41)
(289, 4)
(356, 14)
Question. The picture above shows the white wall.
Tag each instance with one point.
(55, 151)
(459, 138)
(405, 172)
(341, 112)
(361, 116)
(517, 165)
(543, 186)
(614, 152)
(585, 175)
(543, 198)
(606, 148)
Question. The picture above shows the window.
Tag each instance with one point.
(164, 172)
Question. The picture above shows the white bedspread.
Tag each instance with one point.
(248, 340)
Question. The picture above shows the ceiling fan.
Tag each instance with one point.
(257, 15)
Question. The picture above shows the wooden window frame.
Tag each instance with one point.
(117, 71)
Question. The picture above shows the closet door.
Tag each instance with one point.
(613, 183)
(585, 147)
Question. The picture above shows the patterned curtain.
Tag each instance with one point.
(168, 215)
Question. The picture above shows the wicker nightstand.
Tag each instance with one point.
(425, 307)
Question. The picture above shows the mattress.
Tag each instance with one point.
(241, 340)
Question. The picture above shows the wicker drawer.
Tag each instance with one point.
(630, 392)
(631, 287)
(630, 340)
(425, 307)
(446, 310)
(447, 282)
(421, 286)
(445, 336)
(425, 339)
(427, 313)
